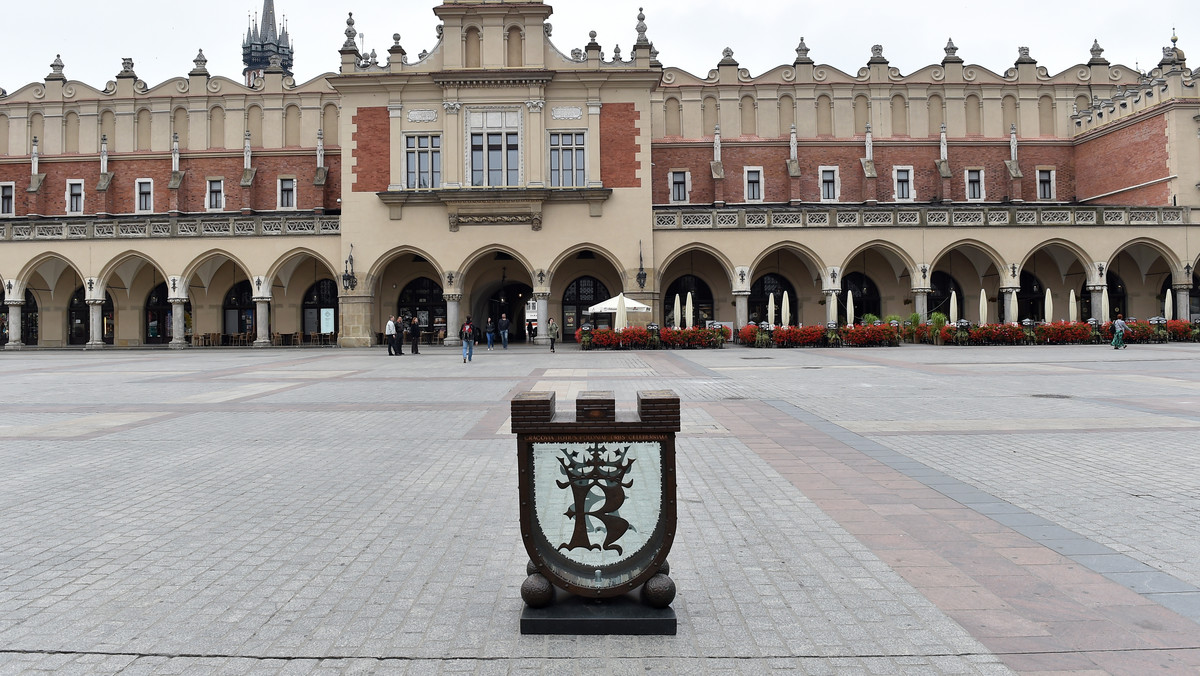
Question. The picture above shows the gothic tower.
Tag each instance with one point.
(263, 42)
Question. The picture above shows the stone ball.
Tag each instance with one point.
(537, 592)
(658, 592)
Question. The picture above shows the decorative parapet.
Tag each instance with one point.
(157, 227)
(823, 216)
(1127, 102)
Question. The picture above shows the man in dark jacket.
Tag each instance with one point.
(503, 326)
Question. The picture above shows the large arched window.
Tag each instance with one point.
(158, 329)
(29, 320)
(942, 284)
(422, 298)
(239, 309)
(79, 319)
(866, 297)
(581, 294)
(702, 301)
(760, 298)
(320, 301)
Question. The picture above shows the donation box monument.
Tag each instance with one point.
(598, 513)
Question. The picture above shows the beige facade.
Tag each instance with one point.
(498, 173)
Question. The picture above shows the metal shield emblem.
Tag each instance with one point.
(593, 511)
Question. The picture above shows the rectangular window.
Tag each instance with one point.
(567, 160)
(74, 197)
(287, 193)
(902, 177)
(6, 199)
(216, 194)
(423, 162)
(1045, 184)
(495, 140)
(830, 186)
(975, 185)
(145, 195)
(679, 186)
(753, 184)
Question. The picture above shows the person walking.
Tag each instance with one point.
(503, 327)
(490, 330)
(552, 333)
(1120, 328)
(467, 333)
(414, 335)
(389, 333)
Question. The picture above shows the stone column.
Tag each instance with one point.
(831, 305)
(1004, 303)
(543, 318)
(452, 320)
(262, 321)
(593, 150)
(921, 303)
(741, 301)
(96, 322)
(1183, 301)
(14, 324)
(1097, 293)
(178, 339)
(356, 327)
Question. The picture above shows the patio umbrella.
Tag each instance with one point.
(1072, 308)
(1012, 308)
(687, 310)
(1104, 306)
(787, 310)
(621, 313)
(849, 308)
(771, 310)
(1049, 307)
(610, 306)
(982, 307)
(1169, 306)
(676, 324)
(953, 307)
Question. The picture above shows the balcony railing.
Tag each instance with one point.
(156, 227)
(830, 216)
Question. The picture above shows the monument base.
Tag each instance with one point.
(619, 615)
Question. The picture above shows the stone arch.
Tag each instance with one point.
(937, 113)
(476, 256)
(216, 127)
(329, 124)
(899, 258)
(1008, 112)
(180, 126)
(974, 115)
(722, 260)
(787, 115)
(804, 253)
(37, 263)
(71, 132)
(899, 115)
(976, 266)
(862, 113)
(514, 43)
(988, 251)
(1079, 252)
(674, 116)
(1046, 116)
(824, 115)
(37, 129)
(298, 252)
(472, 46)
(381, 263)
(254, 125)
(205, 259)
(143, 121)
(708, 110)
(108, 126)
(749, 110)
(1156, 246)
(291, 126)
(804, 271)
(568, 254)
(118, 266)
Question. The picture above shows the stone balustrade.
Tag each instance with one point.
(152, 227)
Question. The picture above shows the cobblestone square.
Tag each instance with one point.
(916, 510)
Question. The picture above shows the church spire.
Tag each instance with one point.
(265, 41)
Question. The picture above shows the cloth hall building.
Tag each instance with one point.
(498, 172)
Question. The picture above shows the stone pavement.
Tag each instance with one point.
(915, 510)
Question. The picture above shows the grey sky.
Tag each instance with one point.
(163, 36)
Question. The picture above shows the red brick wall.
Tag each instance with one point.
(372, 141)
(1130, 156)
(927, 181)
(120, 198)
(619, 146)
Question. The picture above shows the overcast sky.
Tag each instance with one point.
(163, 36)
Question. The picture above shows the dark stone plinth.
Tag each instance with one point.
(619, 615)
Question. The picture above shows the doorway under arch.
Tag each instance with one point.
(238, 310)
(422, 298)
(320, 300)
(702, 301)
(866, 297)
(579, 295)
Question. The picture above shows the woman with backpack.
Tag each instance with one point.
(467, 333)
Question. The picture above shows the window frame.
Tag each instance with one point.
(761, 185)
(967, 184)
(1053, 197)
(208, 194)
(837, 184)
(11, 211)
(137, 196)
(412, 154)
(580, 171)
(72, 183)
(279, 193)
(512, 171)
(909, 182)
(687, 186)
